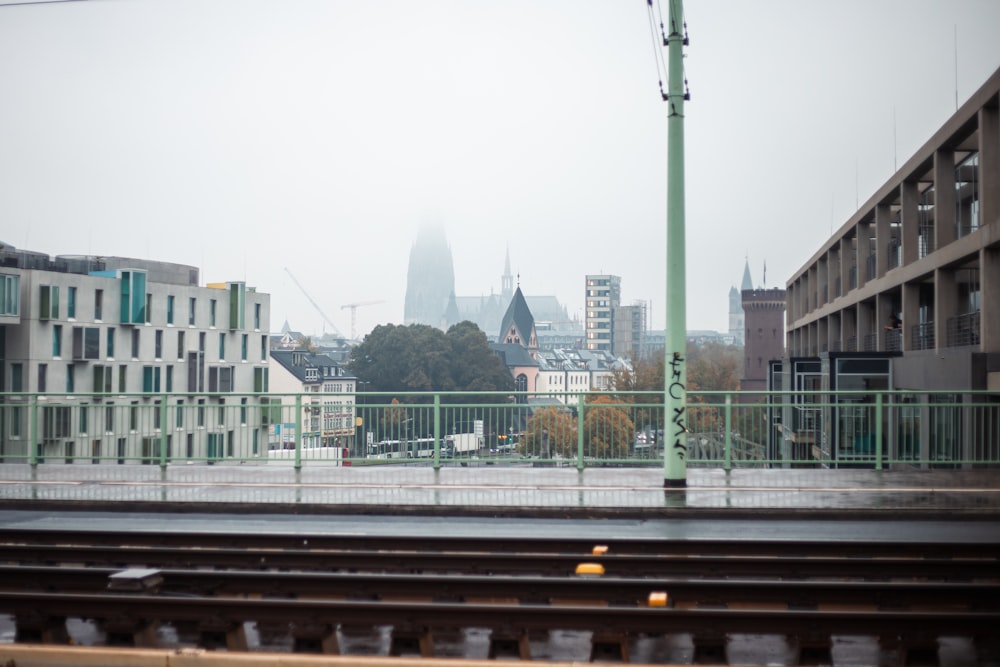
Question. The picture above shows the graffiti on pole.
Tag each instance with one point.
(676, 391)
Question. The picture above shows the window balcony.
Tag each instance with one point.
(963, 330)
(893, 340)
(922, 336)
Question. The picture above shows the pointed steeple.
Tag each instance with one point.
(518, 325)
(506, 280)
(747, 283)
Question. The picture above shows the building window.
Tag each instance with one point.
(10, 295)
(237, 305)
(84, 418)
(151, 379)
(71, 303)
(179, 416)
(133, 297)
(98, 304)
(244, 343)
(170, 379)
(86, 342)
(43, 371)
(222, 346)
(192, 305)
(48, 302)
(57, 341)
(260, 380)
(149, 308)
(180, 344)
(211, 313)
(135, 343)
(170, 309)
(122, 376)
(158, 344)
(70, 378)
(102, 381)
(220, 379)
(256, 317)
(16, 371)
(111, 343)
(263, 348)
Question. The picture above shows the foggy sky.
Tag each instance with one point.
(247, 136)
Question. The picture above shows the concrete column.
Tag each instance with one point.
(944, 197)
(865, 323)
(911, 308)
(861, 252)
(910, 220)
(845, 265)
(883, 232)
(945, 304)
(989, 166)
(989, 315)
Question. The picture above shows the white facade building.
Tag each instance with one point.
(113, 358)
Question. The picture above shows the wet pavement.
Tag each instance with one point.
(498, 490)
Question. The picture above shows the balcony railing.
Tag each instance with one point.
(893, 340)
(922, 336)
(869, 342)
(597, 429)
(963, 330)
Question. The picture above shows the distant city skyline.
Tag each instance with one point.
(249, 137)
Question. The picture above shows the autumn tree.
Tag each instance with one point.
(607, 429)
(549, 431)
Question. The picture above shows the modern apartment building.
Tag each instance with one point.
(629, 330)
(110, 357)
(906, 296)
(603, 296)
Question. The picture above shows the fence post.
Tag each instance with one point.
(729, 431)
(437, 431)
(33, 444)
(298, 431)
(878, 431)
(163, 431)
(580, 402)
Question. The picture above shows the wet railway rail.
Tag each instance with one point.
(314, 587)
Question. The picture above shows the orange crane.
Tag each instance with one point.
(354, 309)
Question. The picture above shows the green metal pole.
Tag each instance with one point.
(33, 441)
(675, 369)
(580, 404)
(298, 432)
(729, 432)
(163, 431)
(878, 431)
(437, 431)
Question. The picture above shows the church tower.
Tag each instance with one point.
(506, 281)
(430, 279)
(737, 317)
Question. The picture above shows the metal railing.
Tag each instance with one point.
(596, 429)
(963, 330)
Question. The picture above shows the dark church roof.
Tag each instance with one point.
(519, 316)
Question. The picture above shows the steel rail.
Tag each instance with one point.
(615, 564)
(534, 589)
(762, 546)
(699, 622)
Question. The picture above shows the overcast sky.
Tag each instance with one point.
(247, 136)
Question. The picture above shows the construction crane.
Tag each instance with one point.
(315, 305)
(354, 310)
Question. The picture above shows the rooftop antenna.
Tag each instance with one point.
(956, 67)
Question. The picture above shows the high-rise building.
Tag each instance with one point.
(629, 330)
(603, 296)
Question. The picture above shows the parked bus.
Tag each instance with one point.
(420, 448)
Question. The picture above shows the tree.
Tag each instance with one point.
(419, 358)
(548, 432)
(607, 429)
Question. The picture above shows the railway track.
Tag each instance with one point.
(314, 587)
